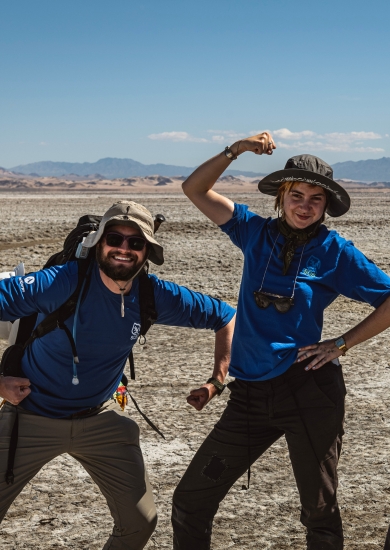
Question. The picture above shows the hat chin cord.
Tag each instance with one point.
(123, 289)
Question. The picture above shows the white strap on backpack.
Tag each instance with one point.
(9, 330)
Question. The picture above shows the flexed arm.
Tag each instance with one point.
(198, 186)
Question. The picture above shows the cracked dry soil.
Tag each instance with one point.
(62, 508)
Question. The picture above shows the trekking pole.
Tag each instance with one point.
(158, 220)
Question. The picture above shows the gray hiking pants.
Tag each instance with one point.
(308, 409)
(106, 444)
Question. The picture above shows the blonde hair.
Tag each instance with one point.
(286, 187)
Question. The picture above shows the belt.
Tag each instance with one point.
(86, 412)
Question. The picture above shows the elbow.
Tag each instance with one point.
(384, 308)
(386, 305)
(188, 189)
(184, 187)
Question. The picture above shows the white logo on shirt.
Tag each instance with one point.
(29, 280)
(312, 266)
(135, 331)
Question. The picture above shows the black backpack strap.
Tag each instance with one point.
(9, 475)
(58, 317)
(147, 302)
(26, 326)
(148, 313)
(153, 426)
(132, 368)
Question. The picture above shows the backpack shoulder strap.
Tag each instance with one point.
(147, 302)
(148, 313)
(26, 326)
(57, 317)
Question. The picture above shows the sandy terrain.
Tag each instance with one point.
(62, 508)
(96, 183)
(13, 181)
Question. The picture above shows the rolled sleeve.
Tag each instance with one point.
(243, 224)
(360, 279)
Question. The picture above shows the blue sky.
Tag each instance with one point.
(174, 81)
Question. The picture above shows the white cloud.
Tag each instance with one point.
(176, 136)
(219, 136)
(334, 141)
(228, 134)
(311, 146)
(305, 140)
(285, 133)
(351, 136)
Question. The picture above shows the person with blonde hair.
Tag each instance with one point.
(287, 383)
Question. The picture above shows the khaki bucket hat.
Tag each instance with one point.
(135, 215)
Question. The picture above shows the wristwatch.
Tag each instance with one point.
(341, 344)
(220, 387)
(229, 153)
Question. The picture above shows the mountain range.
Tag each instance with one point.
(363, 170)
(111, 168)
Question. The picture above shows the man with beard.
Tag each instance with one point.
(65, 405)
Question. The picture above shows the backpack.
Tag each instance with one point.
(73, 250)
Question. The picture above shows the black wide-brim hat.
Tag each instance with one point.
(314, 171)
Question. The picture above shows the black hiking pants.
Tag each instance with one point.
(387, 541)
(308, 409)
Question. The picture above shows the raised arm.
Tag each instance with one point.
(373, 324)
(198, 186)
(223, 339)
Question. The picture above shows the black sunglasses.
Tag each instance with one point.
(134, 242)
(282, 304)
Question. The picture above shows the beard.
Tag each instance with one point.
(117, 272)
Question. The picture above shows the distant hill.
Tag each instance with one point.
(111, 168)
(363, 170)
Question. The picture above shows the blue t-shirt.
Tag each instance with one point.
(103, 338)
(265, 342)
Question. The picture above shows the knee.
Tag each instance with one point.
(151, 525)
(181, 500)
(189, 511)
(143, 529)
(133, 535)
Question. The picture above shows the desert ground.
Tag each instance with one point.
(62, 508)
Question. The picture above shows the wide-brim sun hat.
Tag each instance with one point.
(132, 214)
(314, 171)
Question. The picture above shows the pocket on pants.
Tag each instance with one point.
(321, 403)
(330, 381)
(311, 395)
